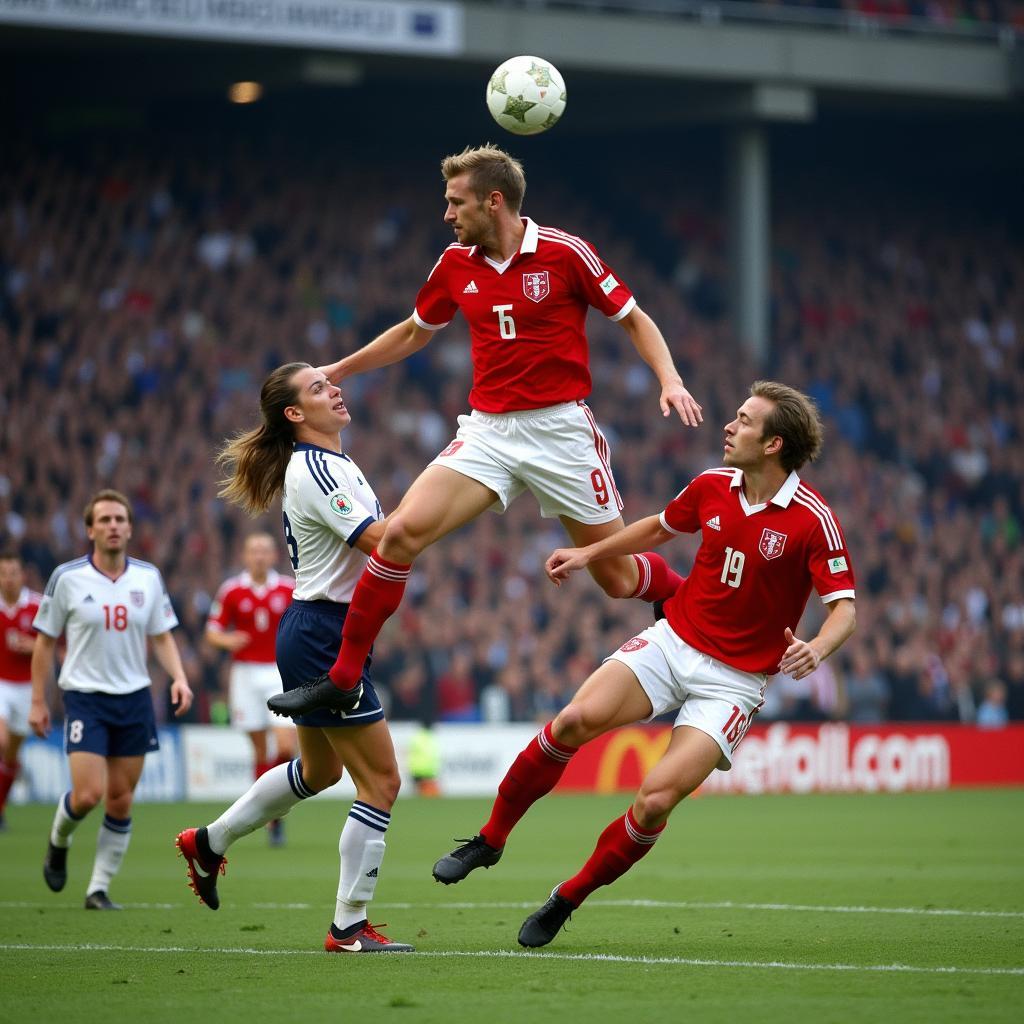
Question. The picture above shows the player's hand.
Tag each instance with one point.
(800, 659)
(181, 697)
(675, 396)
(332, 371)
(564, 561)
(39, 719)
(237, 640)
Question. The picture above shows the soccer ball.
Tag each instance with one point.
(526, 95)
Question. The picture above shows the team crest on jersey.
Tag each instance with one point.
(635, 644)
(772, 543)
(341, 504)
(138, 597)
(277, 604)
(536, 286)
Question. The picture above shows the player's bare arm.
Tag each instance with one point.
(166, 651)
(394, 345)
(803, 656)
(642, 535)
(647, 339)
(371, 537)
(42, 666)
(227, 640)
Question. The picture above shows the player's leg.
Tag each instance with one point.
(369, 757)
(691, 757)
(439, 501)
(612, 696)
(271, 796)
(284, 751)
(115, 832)
(646, 576)
(88, 784)
(9, 767)
(15, 702)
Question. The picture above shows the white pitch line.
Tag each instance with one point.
(679, 961)
(510, 905)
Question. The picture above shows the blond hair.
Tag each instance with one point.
(490, 169)
(795, 419)
(107, 494)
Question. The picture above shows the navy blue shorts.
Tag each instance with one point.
(110, 724)
(308, 638)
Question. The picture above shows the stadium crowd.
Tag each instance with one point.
(145, 295)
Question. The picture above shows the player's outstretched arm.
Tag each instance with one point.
(394, 345)
(166, 651)
(650, 344)
(642, 535)
(42, 666)
(803, 656)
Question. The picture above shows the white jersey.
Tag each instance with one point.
(327, 504)
(106, 623)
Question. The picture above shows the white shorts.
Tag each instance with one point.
(251, 685)
(713, 697)
(558, 452)
(15, 703)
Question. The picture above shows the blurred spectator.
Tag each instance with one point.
(992, 712)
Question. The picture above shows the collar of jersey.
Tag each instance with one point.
(127, 566)
(305, 446)
(528, 244)
(782, 497)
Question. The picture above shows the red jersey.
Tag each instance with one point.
(526, 317)
(755, 567)
(242, 605)
(14, 666)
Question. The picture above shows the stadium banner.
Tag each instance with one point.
(826, 758)
(430, 27)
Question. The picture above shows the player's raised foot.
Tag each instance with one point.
(275, 832)
(55, 866)
(319, 694)
(99, 900)
(203, 865)
(544, 924)
(454, 867)
(362, 938)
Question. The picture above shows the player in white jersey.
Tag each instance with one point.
(332, 520)
(106, 606)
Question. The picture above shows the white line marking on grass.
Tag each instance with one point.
(777, 965)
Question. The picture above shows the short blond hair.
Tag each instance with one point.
(107, 494)
(490, 169)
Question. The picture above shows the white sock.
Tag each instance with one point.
(64, 822)
(111, 843)
(271, 796)
(362, 849)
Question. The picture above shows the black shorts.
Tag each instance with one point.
(308, 638)
(110, 724)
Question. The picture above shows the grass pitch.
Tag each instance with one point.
(756, 909)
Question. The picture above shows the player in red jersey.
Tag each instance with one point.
(524, 291)
(18, 607)
(767, 539)
(243, 621)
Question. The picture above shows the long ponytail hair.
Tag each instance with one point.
(256, 459)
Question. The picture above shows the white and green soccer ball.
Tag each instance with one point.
(526, 95)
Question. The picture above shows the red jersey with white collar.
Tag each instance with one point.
(17, 618)
(755, 567)
(526, 317)
(243, 605)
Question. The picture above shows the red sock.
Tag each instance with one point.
(262, 767)
(533, 773)
(378, 594)
(618, 848)
(657, 580)
(8, 773)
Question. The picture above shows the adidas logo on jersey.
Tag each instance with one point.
(372, 873)
(89, 599)
(470, 289)
(714, 523)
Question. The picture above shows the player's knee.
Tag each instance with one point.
(320, 777)
(403, 538)
(614, 583)
(652, 808)
(572, 726)
(84, 799)
(382, 790)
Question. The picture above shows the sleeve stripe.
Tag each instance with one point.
(325, 467)
(627, 307)
(831, 535)
(664, 522)
(577, 245)
(836, 595)
(312, 467)
(51, 584)
(358, 531)
(420, 322)
(825, 510)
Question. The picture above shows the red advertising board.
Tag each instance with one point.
(832, 757)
